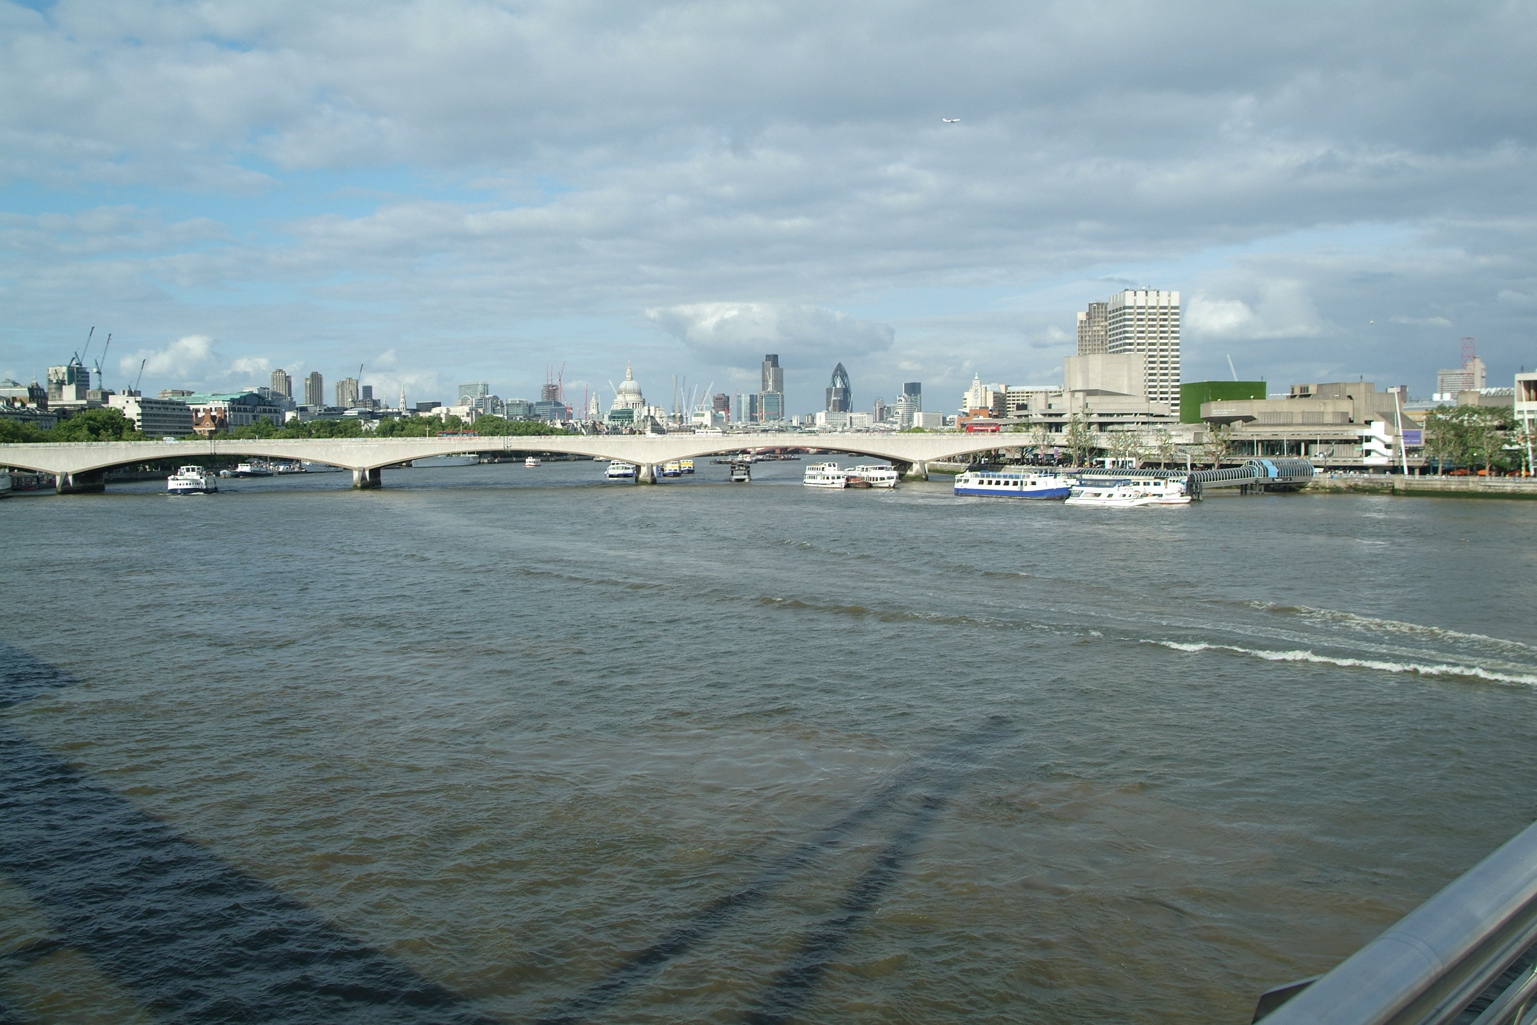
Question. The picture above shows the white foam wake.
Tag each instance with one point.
(1418, 668)
(1351, 620)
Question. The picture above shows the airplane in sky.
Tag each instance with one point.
(949, 120)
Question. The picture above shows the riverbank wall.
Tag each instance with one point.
(1441, 487)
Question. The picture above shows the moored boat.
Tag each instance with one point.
(1013, 484)
(310, 466)
(672, 469)
(5, 485)
(686, 465)
(532, 461)
(871, 477)
(191, 480)
(824, 475)
(618, 469)
(255, 468)
(1123, 493)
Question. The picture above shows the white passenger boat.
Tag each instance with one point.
(1125, 493)
(191, 480)
(672, 469)
(284, 468)
(310, 466)
(741, 473)
(618, 469)
(255, 468)
(824, 475)
(686, 465)
(457, 459)
(532, 461)
(1013, 484)
(871, 477)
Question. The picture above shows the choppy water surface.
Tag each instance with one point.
(508, 744)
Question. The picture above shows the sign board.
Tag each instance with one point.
(1414, 438)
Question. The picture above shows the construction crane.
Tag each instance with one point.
(136, 380)
(101, 379)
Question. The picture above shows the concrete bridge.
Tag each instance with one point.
(82, 466)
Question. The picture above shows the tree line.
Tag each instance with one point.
(111, 425)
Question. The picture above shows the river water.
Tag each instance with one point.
(509, 744)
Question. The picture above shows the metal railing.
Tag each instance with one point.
(1464, 956)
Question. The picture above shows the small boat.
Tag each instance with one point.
(284, 468)
(672, 469)
(457, 459)
(1013, 485)
(741, 473)
(871, 477)
(255, 468)
(824, 475)
(310, 466)
(532, 461)
(191, 480)
(618, 469)
(686, 465)
(1126, 493)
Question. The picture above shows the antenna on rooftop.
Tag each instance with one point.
(1468, 353)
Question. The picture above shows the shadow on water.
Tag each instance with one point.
(190, 936)
(939, 772)
(198, 941)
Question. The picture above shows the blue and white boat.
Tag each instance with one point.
(994, 483)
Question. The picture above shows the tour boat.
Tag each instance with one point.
(824, 475)
(618, 469)
(1013, 485)
(191, 480)
(1124, 493)
(686, 465)
(871, 477)
(255, 468)
(741, 473)
(532, 461)
(672, 469)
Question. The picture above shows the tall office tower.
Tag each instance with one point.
(1146, 321)
(472, 390)
(771, 397)
(879, 411)
(282, 383)
(1093, 329)
(314, 389)
(747, 407)
(347, 393)
(840, 394)
(912, 391)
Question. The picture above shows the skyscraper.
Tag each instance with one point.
(282, 383)
(840, 393)
(771, 400)
(1093, 329)
(913, 392)
(1144, 321)
(314, 390)
(347, 392)
(472, 390)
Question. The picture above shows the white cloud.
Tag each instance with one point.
(738, 332)
(1283, 310)
(190, 359)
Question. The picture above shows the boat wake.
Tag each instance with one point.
(1382, 665)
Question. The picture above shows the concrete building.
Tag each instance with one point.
(1473, 375)
(840, 393)
(1094, 330)
(469, 391)
(347, 394)
(282, 383)
(69, 385)
(314, 390)
(1147, 321)
(158, 418)
(222, 411)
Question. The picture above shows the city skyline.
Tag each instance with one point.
(231, 193)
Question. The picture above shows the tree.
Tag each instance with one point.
(1040, 439)
(1466, 436)
(262, 428)
(496, 426)
(1122, 444)
(1219, 442)
(96, 425)
(1079, 438)
(14, 431)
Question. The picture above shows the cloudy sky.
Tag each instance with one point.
(455, 190)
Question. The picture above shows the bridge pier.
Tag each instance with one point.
(367, 480)
(646, 474)
(87, 482)
(918, 470)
